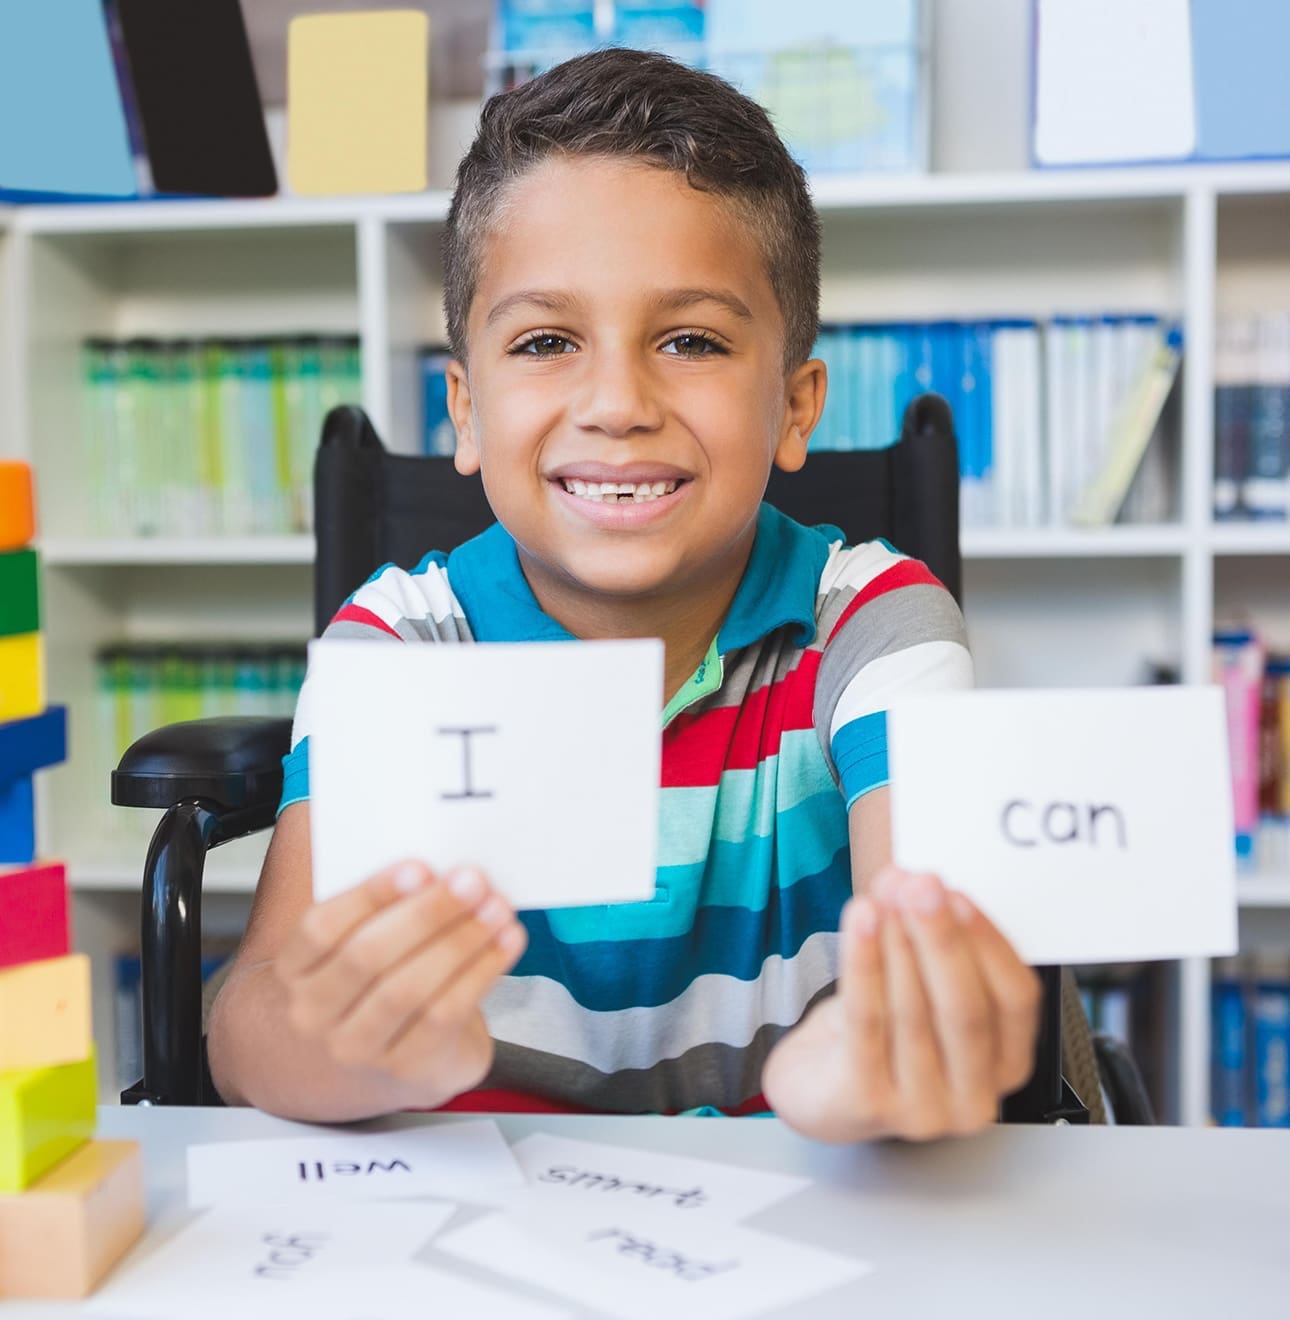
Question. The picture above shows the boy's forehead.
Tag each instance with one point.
(608, 229)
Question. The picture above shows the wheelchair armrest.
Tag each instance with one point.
(234, 762)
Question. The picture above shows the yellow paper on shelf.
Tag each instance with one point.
(357, 101)
(45, 1114)
(22, 676)
(45, 1013)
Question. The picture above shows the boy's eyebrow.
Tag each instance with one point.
(666, 300)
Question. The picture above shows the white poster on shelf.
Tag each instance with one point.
(1090, 826)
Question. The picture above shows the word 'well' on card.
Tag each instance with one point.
(645, 1262)
(267, 1259)
(1090, 826)
(462, 1160)
(537, 762)
(589, 1171)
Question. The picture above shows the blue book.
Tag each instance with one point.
(1230, 1041)
(438, 435)
(58, 82)
(1272, 1050)
(826, 349)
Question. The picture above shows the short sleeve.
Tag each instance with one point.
(891, 628)
(393, 605)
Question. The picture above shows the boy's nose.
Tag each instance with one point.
(616, 397)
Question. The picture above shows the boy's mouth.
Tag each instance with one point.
(618, 492)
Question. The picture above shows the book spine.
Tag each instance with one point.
(1231, 1046)
(1272, 1044)
(1238, 670)
(1229, 456)
(1265, 488)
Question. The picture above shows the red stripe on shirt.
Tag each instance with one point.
(352, 613)
(698, 748)
(500, 1100)
(907, 573)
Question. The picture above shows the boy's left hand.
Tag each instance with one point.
(933, 1023)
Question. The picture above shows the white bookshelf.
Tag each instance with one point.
(1045, 607)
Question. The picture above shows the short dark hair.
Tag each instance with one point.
(642, 106)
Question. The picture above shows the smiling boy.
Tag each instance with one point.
(632, 287)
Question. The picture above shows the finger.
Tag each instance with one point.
(459, 1000)
(404, 992)
(327, 924)
(330, 990)
(916, 1058)
(863, 990)
(1014, 990)
(962, 1011)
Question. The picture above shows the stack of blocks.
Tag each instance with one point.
(70, 1206)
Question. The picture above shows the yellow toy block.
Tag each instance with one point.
(62, 1235)
(45, 1013)
(45, 1114)
(17, 505)
(357, 102)
(22, 676)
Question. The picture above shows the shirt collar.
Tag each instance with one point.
(778, 587)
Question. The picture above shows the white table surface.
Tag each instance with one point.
(1095, 1223)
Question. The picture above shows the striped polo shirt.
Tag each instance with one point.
(675, 1003)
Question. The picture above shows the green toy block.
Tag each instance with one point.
(19, 593)
(45, 1114)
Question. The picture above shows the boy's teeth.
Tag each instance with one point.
(619, 491)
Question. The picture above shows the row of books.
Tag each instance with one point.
(1250, 1006)
(1054, 419)
(141, 688)
(1252, 418)
(208, 437)
(846, 84)
(1256, 687)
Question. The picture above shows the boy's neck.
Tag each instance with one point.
(686, 621)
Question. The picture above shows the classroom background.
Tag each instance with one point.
(1087, 253)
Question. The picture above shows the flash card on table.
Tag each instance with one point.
(538, 762)
(469, 1160)
(568, 1170)
(644, 1262)
(1090, 826)
(268, 1259)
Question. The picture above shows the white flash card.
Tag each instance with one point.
(1090, 826)
(568, 1170)
(467, 1160)
(537, 762)
(643, 1262)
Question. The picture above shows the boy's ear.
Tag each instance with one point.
(466, 456)
(803, 403)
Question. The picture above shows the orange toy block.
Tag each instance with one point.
(61, 1236)
(45, 1013)
(17, 505)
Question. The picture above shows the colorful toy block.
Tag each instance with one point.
(17, 822)
(33, 914)
(62, 1236)
(45, 1114)
(33, 743)
(22, 676)
(19, 593)
(45, 1013)
(17, 505)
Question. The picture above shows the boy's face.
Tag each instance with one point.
(624, 331)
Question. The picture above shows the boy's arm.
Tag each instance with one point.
(934, 1019)
(363, 1004)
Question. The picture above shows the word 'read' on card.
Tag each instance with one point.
(1090, 826)
(536, 762)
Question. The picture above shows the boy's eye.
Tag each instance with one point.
(544, 345)
(692, 345)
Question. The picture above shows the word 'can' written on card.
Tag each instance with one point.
(1026, 824)
(653, 1255)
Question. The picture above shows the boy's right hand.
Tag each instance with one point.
(389, 976)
